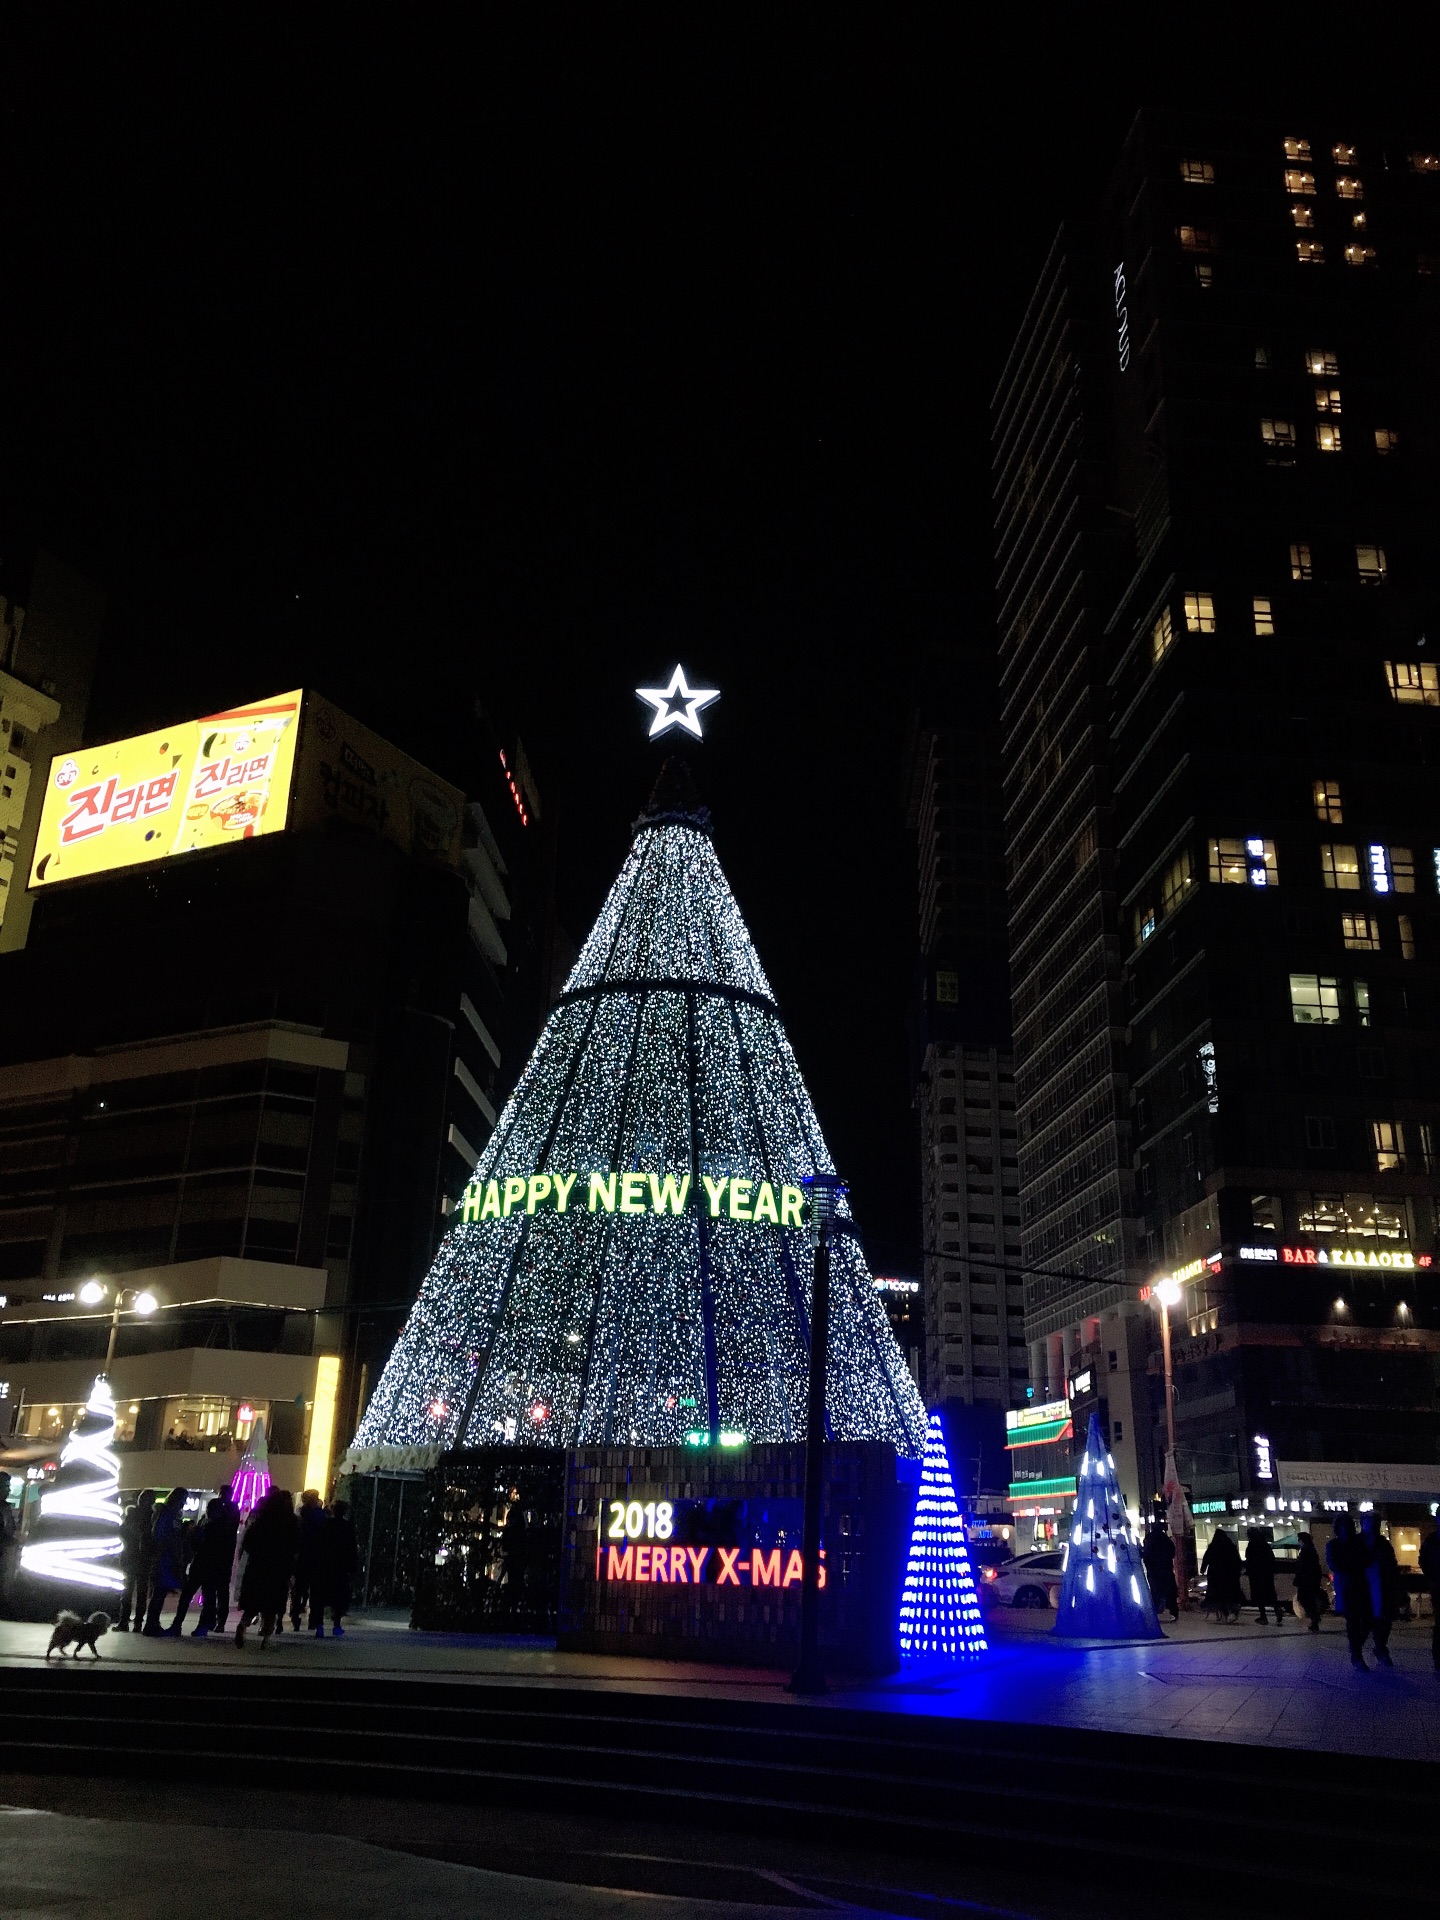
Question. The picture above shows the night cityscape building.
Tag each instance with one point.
(250, 1081)
(1214, 475)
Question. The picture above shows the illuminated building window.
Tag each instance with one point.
(1314, 1000)
(1298, 181)
(1319, 1132)
(1358, 221)
(1389, 1139)
(1361, 932)
(1407, 936)
(1327, 399)
(1197, 173)
(1262, 359)
(1204, 273)
(1347, 187)
(1327, 802)
(1301, 566)
(1297, 149)
(1264, 618)
(1362, 1002)
(1144, 924)
(1342, 155)
(1402, 869)
(1386, 439)
(1199, 613)
(1244, 863)
(1413, 685)
(1320, 361)
(1310, 253)
(1302, 214)
(1279, 438)
(1359, 1215)
(1359, 255)
(1425, 163)
(1437, 869)
(1196, 239)
(1340, 866)
(1327, 436)
(1177, 882)
(1162, 636)
(1370, 565)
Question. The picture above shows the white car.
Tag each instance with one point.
(1032, 1580)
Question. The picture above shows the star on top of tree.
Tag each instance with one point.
(678, 705)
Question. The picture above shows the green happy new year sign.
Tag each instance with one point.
(727, 1198)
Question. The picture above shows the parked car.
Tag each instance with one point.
(1030, 1580)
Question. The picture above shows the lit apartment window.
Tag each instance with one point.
(1389, 1138)
(1162, 636)
(1370, 565)
(1314, 1000)
(1319, 360)
(1413, 685)
(1362, 1002)
(1298, 181)
(1359, 255)
(1301, 567)
(1144, 924)
(1347, 187)
(1196, 239)
(1302, 214)
(1327, 436)
(1262, 359)
(1204, 273)
(1199, 613)
(1264, 618)
(1402, 869)
(1407, 936)
(1242, 863)
(1327, 400)
(1279, 439)
(1342, 155)
(1197, 173)
(1340, 867)
(1386, 439)
(1297, 149)
(1359, 222)
(1361, 932)
(1425, 162)
(1310, 253)
(1177, 882)
(1327, 802)
(1379, 859)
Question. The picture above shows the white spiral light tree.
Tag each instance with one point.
(76, 1540)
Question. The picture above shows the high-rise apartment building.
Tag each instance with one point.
(1215, 478)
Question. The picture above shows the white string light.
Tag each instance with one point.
(85, 1496)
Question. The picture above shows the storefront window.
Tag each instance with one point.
(1355, 1215)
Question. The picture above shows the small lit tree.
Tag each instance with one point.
(76, 1540)
(1104, 1594)
(939, 1608)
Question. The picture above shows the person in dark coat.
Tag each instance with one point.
(1309, 1581)
(211, 1560)
(337, 1558)
(1224, 1595)
(170, 1554)
(1158, 1554)
(1430, 1573)
(1345, 1557)
(268, 1550)
(1382, 1571)
(137, 1554)
(302, 1595)
(1260, 1572)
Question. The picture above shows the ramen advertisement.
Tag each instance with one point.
(203, 783)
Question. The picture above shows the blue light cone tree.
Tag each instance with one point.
(1104, 1595)
(671, 1293)
(939, 1607)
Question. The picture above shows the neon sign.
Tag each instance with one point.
(1122, 319)
(1338, 1257)
(706, 1566)
(729, 1197)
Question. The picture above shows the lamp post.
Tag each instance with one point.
(825, 1190)
(142, 1301)
(1169, 1293)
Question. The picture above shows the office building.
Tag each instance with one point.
(1215, 478)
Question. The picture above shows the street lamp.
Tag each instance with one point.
(825, 1191)
(1169, 1293)
(141, 1300)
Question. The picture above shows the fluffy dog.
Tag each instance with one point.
(71, 1629)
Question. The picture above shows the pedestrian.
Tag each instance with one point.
(216, 1559)
(336, 1561)
(1309, 1582)
(9, 1528)
(1260, 1572)
(1224, 1595)
(1430, 1572)
(1382, 1571)
(1345, 1557)
(268, 1550)
(1158, 1554)
(169, 1570)
(137, 1557)
(312, 1522)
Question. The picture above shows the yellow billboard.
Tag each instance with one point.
(203, 783)
(347, 777)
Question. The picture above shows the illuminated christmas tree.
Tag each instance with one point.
(252, 1478)
(939, 1608)
(76, 1540)
(1104, 1595)
(630, 1263)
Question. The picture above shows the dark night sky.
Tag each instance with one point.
(526, 364)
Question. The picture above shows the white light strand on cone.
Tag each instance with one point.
(88, 1560)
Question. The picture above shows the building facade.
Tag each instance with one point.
(1214, 469)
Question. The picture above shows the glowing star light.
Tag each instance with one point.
(678, 705)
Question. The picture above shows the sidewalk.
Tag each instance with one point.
(1255, 1685)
